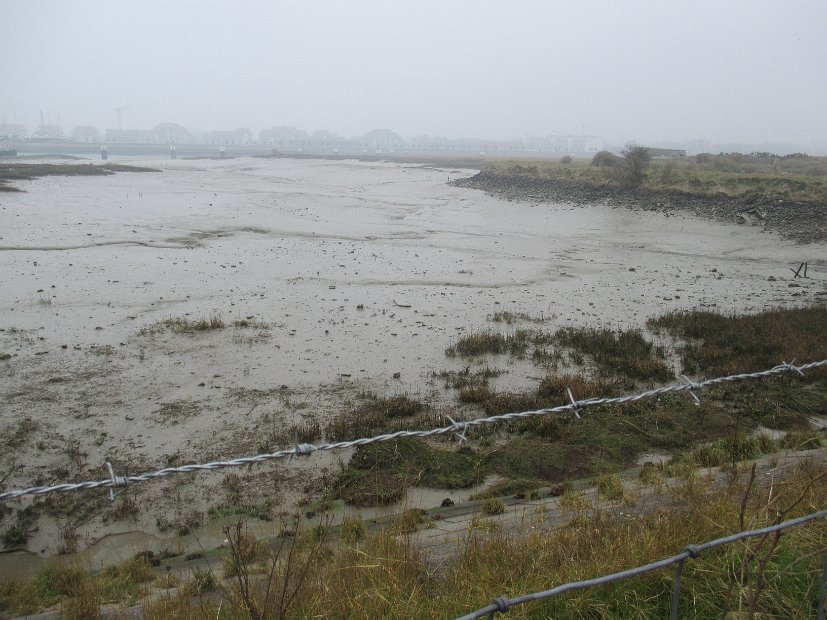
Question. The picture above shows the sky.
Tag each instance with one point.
(734, 71)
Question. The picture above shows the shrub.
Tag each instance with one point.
(605, 159)
(493, 506)
(610, 487)
(636, 160)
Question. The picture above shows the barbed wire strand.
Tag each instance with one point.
(503, 604)
(457, 428)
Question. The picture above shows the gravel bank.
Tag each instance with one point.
(801, 222)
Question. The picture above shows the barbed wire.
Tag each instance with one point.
(458, 428)
(503, 604)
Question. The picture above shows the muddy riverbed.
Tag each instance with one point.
(330, 278)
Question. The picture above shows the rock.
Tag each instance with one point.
(5, 356)
(396, 375)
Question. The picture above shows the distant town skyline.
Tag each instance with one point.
(292, 136)
(740, 72)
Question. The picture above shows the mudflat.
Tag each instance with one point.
(201, 311)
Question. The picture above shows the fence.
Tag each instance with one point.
(458, 428)
(503, 604)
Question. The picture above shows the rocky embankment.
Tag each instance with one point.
(801, 222)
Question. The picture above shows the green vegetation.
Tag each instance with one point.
(725, 344)
(26, 172)
(635, 163)
(504, 316)
(622, 352)
(793, 178)
(124, 583)
(377, 415)
(528, 453)
(493, 506)
(732, 450)
(610, 487)
(552, 449)
(381, 575)
(184, 325)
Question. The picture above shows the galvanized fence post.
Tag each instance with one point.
(822, 591)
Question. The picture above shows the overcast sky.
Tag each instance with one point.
(727, 71)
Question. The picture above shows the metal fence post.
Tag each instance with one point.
(676, 591)
(822, 591)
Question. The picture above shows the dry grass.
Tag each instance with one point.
(27, 172)
(185, 325)
(794, 179)
(382, 576)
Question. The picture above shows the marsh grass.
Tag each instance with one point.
(732, 450)
(624, 352)
(553, 449)
(613, 352)
(184, 325)
(375, 415)
(721, 344)
(26, 172)
(507, 317)
(466, 378)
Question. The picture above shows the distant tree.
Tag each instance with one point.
(636, 160)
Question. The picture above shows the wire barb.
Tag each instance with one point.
(574, 404)
(792, 367)
(692, 388)
(460, 429)
(117, 481)
(302, 449)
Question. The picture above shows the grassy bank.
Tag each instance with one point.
(9, 173)
(794, 179)
(348, 573)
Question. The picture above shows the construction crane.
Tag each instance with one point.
(118, 111)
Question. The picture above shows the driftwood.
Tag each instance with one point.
(396, 303)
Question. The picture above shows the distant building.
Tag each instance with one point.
(172, 133)
(85, 133)
(48, 132)
(283, 135)
(381, 139)
(13, 132)
(130, 136)
(238, 137)
(656, 153)
(565, 145)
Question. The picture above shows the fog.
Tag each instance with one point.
(747, 71)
